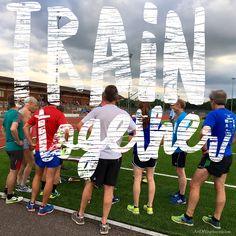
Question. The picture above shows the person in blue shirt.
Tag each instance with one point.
(179, 157)
(222, 124)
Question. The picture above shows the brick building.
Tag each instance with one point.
(69, 96)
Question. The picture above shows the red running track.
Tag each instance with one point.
(73, 121)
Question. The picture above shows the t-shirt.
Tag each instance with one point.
(47, 121)
(222, 123)
(181, 116)
(13, 116)
(106, 114)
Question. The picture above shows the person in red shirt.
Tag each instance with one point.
(47, 121)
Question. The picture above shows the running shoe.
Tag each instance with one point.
(133, 209)
(182, 220)
(45, 210)
(3, 195)
(104, 228)
(31, 206)
(178, 200)
(24, 189)
(14, 199)
(148, 209)
(209, 220)
(79, 220)
(144, 179)
(55, 194)
(115, 200)
(174, 195)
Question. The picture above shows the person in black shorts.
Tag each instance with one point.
(221, 123)
(13, 129)
(108, 167)
(140, 166)
(179, 157)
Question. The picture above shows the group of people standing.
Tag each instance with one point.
(219, 122)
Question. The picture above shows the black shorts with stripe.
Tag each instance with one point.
(106, 172)
(15, 159)
(216, 168)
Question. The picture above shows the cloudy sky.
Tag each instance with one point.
(220, 38)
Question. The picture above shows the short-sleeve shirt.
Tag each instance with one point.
(13, 116)
(106, 114)
(222, 123)
(53, 119)
(181, 116)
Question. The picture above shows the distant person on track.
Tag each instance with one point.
(109, 162)
(222, 124)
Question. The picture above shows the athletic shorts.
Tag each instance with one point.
(216, 168)
(143, 164)
(15, 159)
(106, 172)
(26, 144)
(178, 159)
(55, 162)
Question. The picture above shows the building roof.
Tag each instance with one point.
(34, 84)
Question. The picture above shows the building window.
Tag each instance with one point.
(1, 93)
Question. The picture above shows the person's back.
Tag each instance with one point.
(47, 120)
(13, 128)
(108, 166)
(223, 124)
(179, 157)
(106, 114)
(11, 116)
(50, 118)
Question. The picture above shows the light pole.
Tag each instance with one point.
(58, 27)
(232, 93)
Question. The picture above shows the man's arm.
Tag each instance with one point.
(14, 132)
(26, 128)
(206, 130)
(79, 125)
(66, 134)
(131, 134)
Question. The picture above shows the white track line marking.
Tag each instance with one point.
(112, 222)
(176, 177)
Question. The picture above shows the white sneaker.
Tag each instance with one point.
(24, 189)
(14, 199)
(3, 195)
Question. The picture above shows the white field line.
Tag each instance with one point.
(176, 177)
(112, 222)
